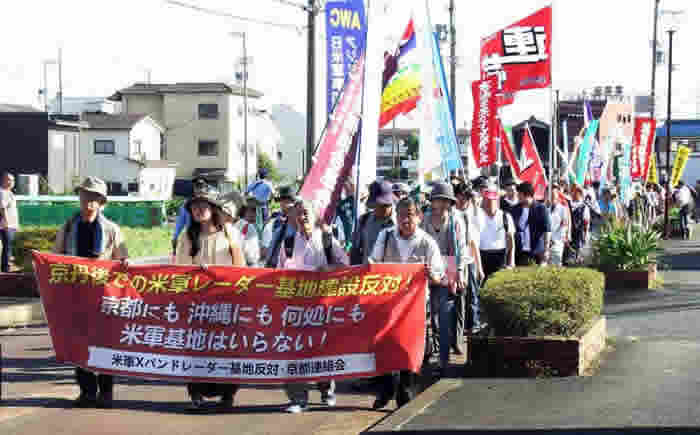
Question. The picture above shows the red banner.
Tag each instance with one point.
(531, 168)
(484, 123)
(336, 153)
(508, 150)
(643, 143)
(521, 54)
(233, 325)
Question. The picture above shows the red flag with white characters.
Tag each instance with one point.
(644, 136)
(484, 123)
(531, 168)
(521, 54)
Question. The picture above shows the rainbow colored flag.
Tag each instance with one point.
(402, 78)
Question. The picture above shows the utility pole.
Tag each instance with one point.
(60, 80)
(653, 60)
(311, 85)
(667, 228)
(242, 35)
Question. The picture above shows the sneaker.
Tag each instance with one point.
(197, 404)
(85, 401)
(296, 408)
(381, 402)
(328, 399)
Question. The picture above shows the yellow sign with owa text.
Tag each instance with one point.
(679, 165)
(345, 18)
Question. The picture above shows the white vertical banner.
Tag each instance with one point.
(374, 67)
(428, 152)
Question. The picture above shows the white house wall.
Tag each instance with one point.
(64, 162)
(113, 168)
(156, 183)
(149, 136)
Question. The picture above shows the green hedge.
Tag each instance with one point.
(29, 238)
(536, 301)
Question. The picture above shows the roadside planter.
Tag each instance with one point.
(627, 255)
(546, 321)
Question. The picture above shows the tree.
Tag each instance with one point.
(273, 174)
(412, 146)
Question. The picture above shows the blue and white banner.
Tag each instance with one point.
(346, 29)
(446, 136)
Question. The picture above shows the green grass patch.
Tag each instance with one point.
(141, 242)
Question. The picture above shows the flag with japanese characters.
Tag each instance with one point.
(233, 325)
(484, 125)
(520, 55)
(506, 137)
(346, 32)
(531, 168)
(644, 136)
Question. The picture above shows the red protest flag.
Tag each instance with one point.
(520, 55)
(644, 136)
(507, 148)
(484, 126)
(531, 168)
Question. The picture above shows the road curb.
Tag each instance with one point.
(21, 312)
(403, 415)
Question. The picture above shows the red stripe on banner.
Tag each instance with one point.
(228, 324)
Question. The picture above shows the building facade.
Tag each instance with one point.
(203, 126)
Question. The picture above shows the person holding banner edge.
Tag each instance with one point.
(89, 234)
(405, 243)
(208, 240)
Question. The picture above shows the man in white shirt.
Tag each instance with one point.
(496, 242)
(560, 227)
(405, 243)
(9, 220)
(684, 197)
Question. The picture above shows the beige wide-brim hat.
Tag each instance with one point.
(94, 185)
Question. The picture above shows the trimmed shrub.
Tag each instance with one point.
(542, 301)
(29, 238)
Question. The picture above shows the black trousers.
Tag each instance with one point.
(492, 261)
(525, 259)
(6, 239)
(401, 385)
(226, 391)
(90, 382)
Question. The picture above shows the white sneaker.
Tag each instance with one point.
(296, 408)
(328, 400)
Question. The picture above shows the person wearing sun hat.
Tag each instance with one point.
(209, 241)
(89, 234)
(237, 216)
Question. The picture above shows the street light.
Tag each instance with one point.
(672, 27)
(242, 35)
(45, 90)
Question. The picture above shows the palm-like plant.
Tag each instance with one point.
(626, 247)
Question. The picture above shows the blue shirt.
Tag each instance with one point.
(608, 208)
(181, 222)
(261, 190)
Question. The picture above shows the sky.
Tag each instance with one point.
(110, 44)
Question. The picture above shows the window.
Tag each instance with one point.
(208, 147)
(208, 111)
(133, 187)
(104, 146)
(137, 147)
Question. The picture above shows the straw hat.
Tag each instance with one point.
(94, 185)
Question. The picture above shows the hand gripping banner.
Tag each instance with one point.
(233, 325)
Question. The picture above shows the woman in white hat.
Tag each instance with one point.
(207, 241)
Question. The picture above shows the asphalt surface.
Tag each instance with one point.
(648, 380)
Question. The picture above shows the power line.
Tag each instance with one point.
(289, 3)
(235, 17)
